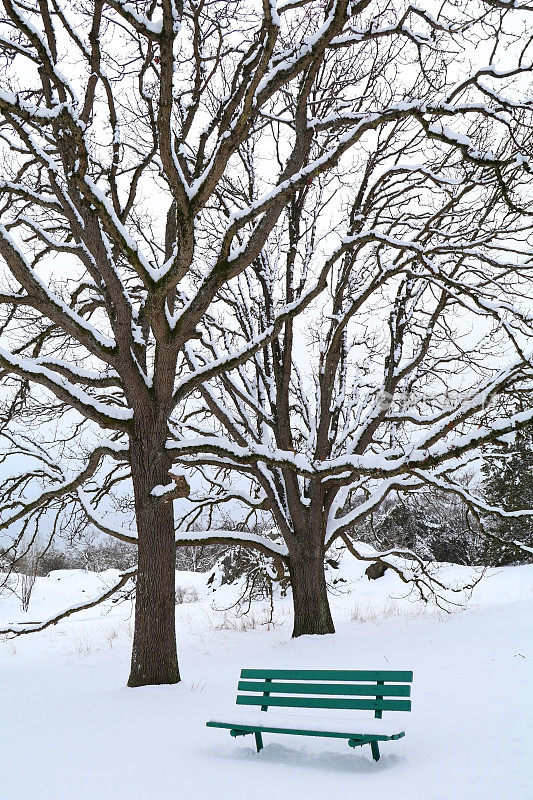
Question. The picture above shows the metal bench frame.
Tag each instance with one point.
(366, 690)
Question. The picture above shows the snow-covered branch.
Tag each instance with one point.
(107, 594)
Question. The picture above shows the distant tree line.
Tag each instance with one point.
(97, 555)
(434, 524)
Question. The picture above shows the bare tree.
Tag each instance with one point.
(28, 576)
(155, 154)
(386, 383)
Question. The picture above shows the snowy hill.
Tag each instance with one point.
(70, 728)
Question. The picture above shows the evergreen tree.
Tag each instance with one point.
(434, 524)
(509, 484)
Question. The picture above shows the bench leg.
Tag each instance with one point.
(258, 741)
(375, 750)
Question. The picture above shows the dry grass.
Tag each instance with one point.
(369, 611)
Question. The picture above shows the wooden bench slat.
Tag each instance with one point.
(237, 727)
(403, 690)
(399, 676)
(319, 702)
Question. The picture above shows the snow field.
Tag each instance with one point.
(69, 728)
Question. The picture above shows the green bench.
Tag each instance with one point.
(362, 690)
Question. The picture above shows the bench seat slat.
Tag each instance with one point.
(329, 675)
(324, 702)
(298, 732)
(334, 726)
(372, 690)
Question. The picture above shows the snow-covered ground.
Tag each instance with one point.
(71, 730)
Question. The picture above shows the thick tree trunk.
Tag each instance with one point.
(309, 594)
(154, 657)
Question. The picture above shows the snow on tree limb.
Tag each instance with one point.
(243, 538)
(65, 487)
(20, 630)
(414, 572)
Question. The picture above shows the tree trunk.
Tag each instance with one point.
(154, 657)
(309, 595)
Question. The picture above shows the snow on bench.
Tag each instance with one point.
(328, 690)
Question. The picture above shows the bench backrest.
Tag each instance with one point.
(368, 690)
